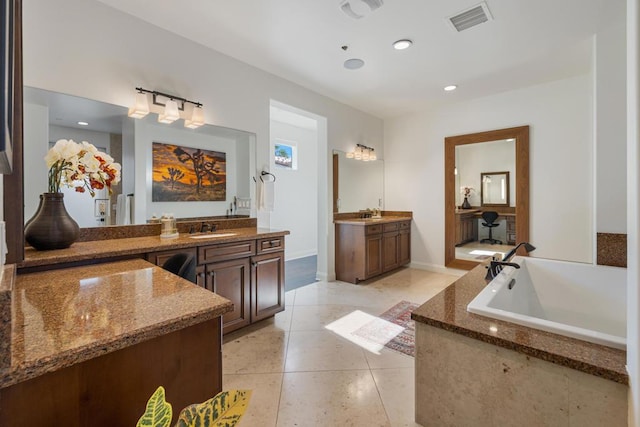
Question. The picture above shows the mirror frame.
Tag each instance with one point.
(521, 136)
(482, 175)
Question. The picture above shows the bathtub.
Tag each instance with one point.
(576, 300)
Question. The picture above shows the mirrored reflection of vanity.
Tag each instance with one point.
(357, 184)
(495, 165)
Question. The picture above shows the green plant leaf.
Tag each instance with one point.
(158, 412)
(223, 410)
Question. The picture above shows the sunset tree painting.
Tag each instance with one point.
(188, 174)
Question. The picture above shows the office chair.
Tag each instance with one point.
(489, 218)
(183, 265)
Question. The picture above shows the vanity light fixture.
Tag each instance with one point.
(172, 106)
(362, 152)
(402, 44)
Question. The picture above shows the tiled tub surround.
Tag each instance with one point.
(133, 247)
(471, 369)
(90, 344)
(61, 318)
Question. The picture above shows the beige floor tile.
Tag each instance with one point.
(322, 351)
(317, 317)
(257, 352)
(345, 399)
(396, 387)
(289, 298)
(265, 398)
(389, 359)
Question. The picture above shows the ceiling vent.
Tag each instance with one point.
(471, 17)
(357, 9)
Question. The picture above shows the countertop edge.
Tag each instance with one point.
(100, 348)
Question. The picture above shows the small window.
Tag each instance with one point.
(285, 155)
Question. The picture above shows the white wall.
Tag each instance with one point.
(611, 125)
(146, 133)
(296, 194)
(100, 140)
(561, 188)
(35, 146)
(88, 49)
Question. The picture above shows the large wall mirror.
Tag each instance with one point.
(49, 116)
(485, 172)
(357, 184)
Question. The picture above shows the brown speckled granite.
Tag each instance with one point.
(448, 311)
(65, 317)
(6, 288)
(356, 215)
(370, 221)
(147, 230)
(93, 250)
(612, 249)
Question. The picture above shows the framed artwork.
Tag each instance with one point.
(183, 174)
(6, 81)
(285, 154)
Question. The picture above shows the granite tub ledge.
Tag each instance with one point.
(448, 310)
(64, 317)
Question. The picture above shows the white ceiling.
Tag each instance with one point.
(527, 42)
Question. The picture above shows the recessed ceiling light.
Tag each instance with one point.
(83, 123)
(450, 88)
(353, 63)
(402, 44)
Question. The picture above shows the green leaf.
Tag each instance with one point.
(158, 412)
(223, 410)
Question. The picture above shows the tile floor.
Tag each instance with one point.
(302, 374)
(477, 251)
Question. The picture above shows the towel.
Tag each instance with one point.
(123, 210)
(266, 195)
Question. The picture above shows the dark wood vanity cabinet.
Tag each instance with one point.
(249, 273)
(366, 250)
(466, 227)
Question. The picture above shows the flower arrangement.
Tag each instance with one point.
(466, 191)
(80, 166)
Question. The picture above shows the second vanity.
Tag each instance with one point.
(368, 247)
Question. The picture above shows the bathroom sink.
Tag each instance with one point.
(212, 236)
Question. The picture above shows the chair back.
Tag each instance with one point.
(182, 264)
(490, 216)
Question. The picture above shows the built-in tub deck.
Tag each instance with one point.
(448, 311)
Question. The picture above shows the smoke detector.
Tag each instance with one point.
(470, 17)
(357, 9)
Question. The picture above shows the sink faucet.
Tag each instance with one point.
(204, 227)
(495, 267)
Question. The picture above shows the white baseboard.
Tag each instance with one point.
(437, 268)
(324, 277)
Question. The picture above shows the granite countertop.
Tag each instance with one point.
(96, 249)
(369, 221)
(448, 311)
(63, 317)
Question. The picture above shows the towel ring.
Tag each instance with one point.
(263, 173)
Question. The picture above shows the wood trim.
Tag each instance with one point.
(521, 135)
(336, 192)
(13, 207)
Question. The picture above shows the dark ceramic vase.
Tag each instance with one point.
(465, 204)
(51, 227)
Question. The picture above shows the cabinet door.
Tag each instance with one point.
(230, 279)
(201, 276)
(267, 285)
(404, 247)
(389, 251)
(373, 257)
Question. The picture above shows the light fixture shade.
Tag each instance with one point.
(373, 156)
(141, 107)
(171, 113)
(197, 118)
(350, 155)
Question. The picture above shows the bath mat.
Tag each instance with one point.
(394, 328)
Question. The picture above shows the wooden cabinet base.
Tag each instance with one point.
(112, 390)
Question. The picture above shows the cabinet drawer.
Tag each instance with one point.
(270, 245)
(405, 225)
(392, 226)
(159, 258)
(373, 229)
(226, 251)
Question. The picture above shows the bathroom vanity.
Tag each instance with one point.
(368, 247)
(90, 344)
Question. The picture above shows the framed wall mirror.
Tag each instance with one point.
(494, 188)
(468, 160)
(357, 185)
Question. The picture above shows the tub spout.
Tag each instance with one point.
(495, 267)
(527, 246)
